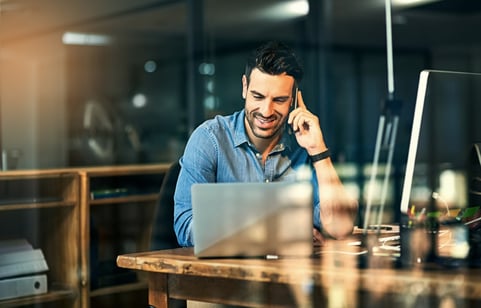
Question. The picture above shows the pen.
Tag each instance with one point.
(420, 216)
(413, 210)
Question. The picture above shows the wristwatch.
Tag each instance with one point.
(320, 156)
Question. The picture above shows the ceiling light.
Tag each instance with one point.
(75, 38)
(287, 9)
(411, 2)
(139, 100)
(150, 66)
(297, 7)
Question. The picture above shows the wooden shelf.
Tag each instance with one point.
(26, 206)
(54, 211)
(43, 207)
(51, 296)
(123, 220)
(125, 199)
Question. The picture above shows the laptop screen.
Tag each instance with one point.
(252, 219)
(446, 127)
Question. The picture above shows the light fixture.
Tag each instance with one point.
(285, 9)
(411, 2)
(139, 100)
(76, 38)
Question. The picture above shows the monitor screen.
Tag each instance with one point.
(446, 129)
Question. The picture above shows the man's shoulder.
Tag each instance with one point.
(221, 122)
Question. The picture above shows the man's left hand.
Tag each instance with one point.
(306, 128)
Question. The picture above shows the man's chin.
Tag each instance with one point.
(264, 134)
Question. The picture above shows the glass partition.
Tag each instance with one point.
(111, 82)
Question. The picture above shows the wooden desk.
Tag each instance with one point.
(333, 280)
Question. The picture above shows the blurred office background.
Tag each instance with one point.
(87, 83)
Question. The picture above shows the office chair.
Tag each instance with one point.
(163, 235)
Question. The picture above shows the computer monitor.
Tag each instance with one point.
(446, 124)
(439, 170)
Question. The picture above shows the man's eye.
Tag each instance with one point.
(258, 97)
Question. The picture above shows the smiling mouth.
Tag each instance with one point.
(265, 122)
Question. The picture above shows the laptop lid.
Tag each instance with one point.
(252, 219)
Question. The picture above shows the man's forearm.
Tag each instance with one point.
(337, 210)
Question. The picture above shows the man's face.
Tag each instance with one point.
(267, 103)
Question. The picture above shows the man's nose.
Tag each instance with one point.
(267, 108)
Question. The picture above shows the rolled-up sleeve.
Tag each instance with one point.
(198, 165)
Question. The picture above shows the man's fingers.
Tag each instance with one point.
(317, 237)
(302, 121)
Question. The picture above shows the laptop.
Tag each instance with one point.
(252, 219)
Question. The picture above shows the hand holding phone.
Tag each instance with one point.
(305, 125)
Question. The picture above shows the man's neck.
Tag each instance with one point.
(264, 146)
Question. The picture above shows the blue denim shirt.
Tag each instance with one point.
(219, 151)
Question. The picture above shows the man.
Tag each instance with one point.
(267, 141)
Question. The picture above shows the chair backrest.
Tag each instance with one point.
(163, 235)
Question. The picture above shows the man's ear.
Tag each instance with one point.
(244, 86)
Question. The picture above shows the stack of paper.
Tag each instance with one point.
(22, 269)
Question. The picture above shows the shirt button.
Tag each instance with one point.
(258, 155)
(266, 180)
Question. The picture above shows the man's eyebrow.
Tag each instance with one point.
(282, 97)
(254, 92)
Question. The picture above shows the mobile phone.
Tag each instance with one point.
(294, 106)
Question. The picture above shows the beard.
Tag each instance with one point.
(265, 128)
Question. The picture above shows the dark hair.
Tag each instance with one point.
(274, 58)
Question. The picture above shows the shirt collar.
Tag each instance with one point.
(240, 135)
(287, 141)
